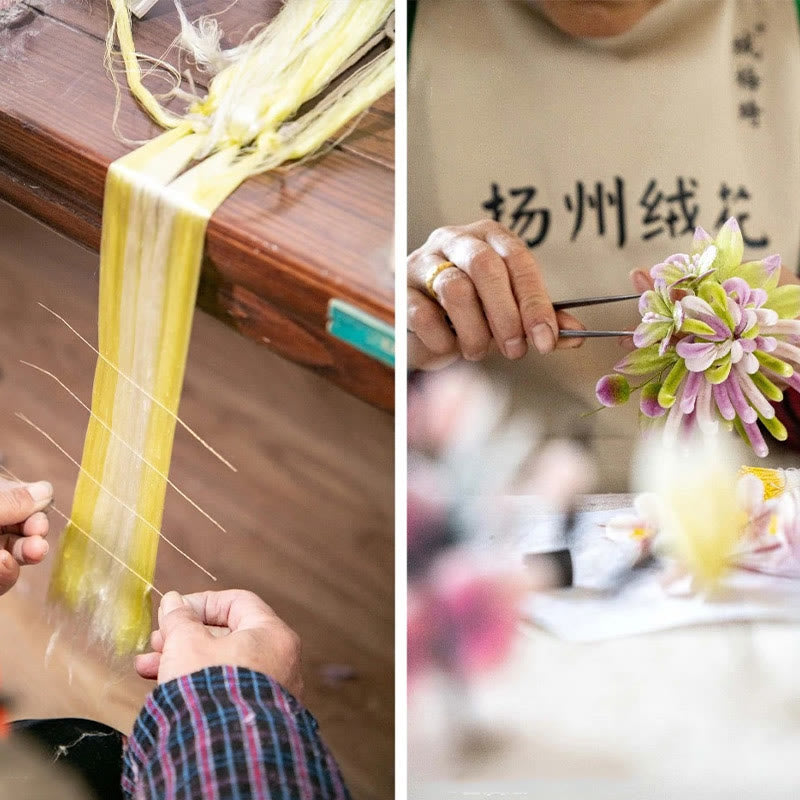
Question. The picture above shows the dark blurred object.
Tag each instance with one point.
(557, 564)
(88, 748)
(788, 412)
(430, 532)
(334, 674)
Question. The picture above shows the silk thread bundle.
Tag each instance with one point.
(158, 200)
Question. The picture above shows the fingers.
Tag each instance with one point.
(480, 293)
(420, 357)
(641, 280)
(147, 664)
(567, 322)
(535, 307)
(157, 641)
(25, 541)
(489, 274)
(236, 609)
(175, 615)
(37, 524)
(27, 549)
(9, 571)
(459, 298)
(427, 321)
(19, 501)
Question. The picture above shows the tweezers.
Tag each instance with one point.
(592, 301)
(581, 303)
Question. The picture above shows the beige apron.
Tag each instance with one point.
(603, 155)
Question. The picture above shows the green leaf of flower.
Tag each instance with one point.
(695, 326)
(645, 361)
(785, 300)
(756, 275)
(730, 248)
(719, 370)
(669, 389)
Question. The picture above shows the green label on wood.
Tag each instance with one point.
(366, 333)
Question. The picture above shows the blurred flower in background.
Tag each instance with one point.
(468, 455)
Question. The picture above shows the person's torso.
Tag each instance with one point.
(604, 156)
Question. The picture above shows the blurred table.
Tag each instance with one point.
(710, 711)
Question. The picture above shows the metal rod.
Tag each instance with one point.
(564, 334)
(593, 301)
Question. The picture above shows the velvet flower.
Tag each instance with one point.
(718, 342)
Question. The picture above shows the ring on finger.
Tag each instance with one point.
(433, 273)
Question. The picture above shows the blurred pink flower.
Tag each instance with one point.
(463, 621)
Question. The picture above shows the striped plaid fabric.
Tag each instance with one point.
(227, 733)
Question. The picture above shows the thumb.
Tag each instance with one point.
(18, 502)
(174, 615)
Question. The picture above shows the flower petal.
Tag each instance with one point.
(699, 356)
(706, 259)
(744, 410)
(723, 401)
(690, 390)
(705, 417)
(648, 400)
(702, 239)
(752, 393)
(648, 333)
(756, 439)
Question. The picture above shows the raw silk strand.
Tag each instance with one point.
(150, 256)
(157, 204)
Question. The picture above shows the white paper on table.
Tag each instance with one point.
(597, 608)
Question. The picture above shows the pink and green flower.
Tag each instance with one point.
(718, 343)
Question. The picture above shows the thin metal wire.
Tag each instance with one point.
(111, 494)
(142, 390)
(567, 334)
(120, 439)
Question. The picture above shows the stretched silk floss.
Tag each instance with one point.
(158, 200)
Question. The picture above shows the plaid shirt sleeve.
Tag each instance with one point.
(227, 732)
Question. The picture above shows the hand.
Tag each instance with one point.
(496, 296)
(23, 527)
(244, 632)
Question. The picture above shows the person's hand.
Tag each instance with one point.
(23, 527)
(494, 296)
(234, 628)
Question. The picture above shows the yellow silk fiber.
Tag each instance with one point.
(158, 200)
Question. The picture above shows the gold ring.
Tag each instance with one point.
(434, 273)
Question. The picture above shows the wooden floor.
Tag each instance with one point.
(309, 513)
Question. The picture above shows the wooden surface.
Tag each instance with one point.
(309, 514)
(278, 250)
